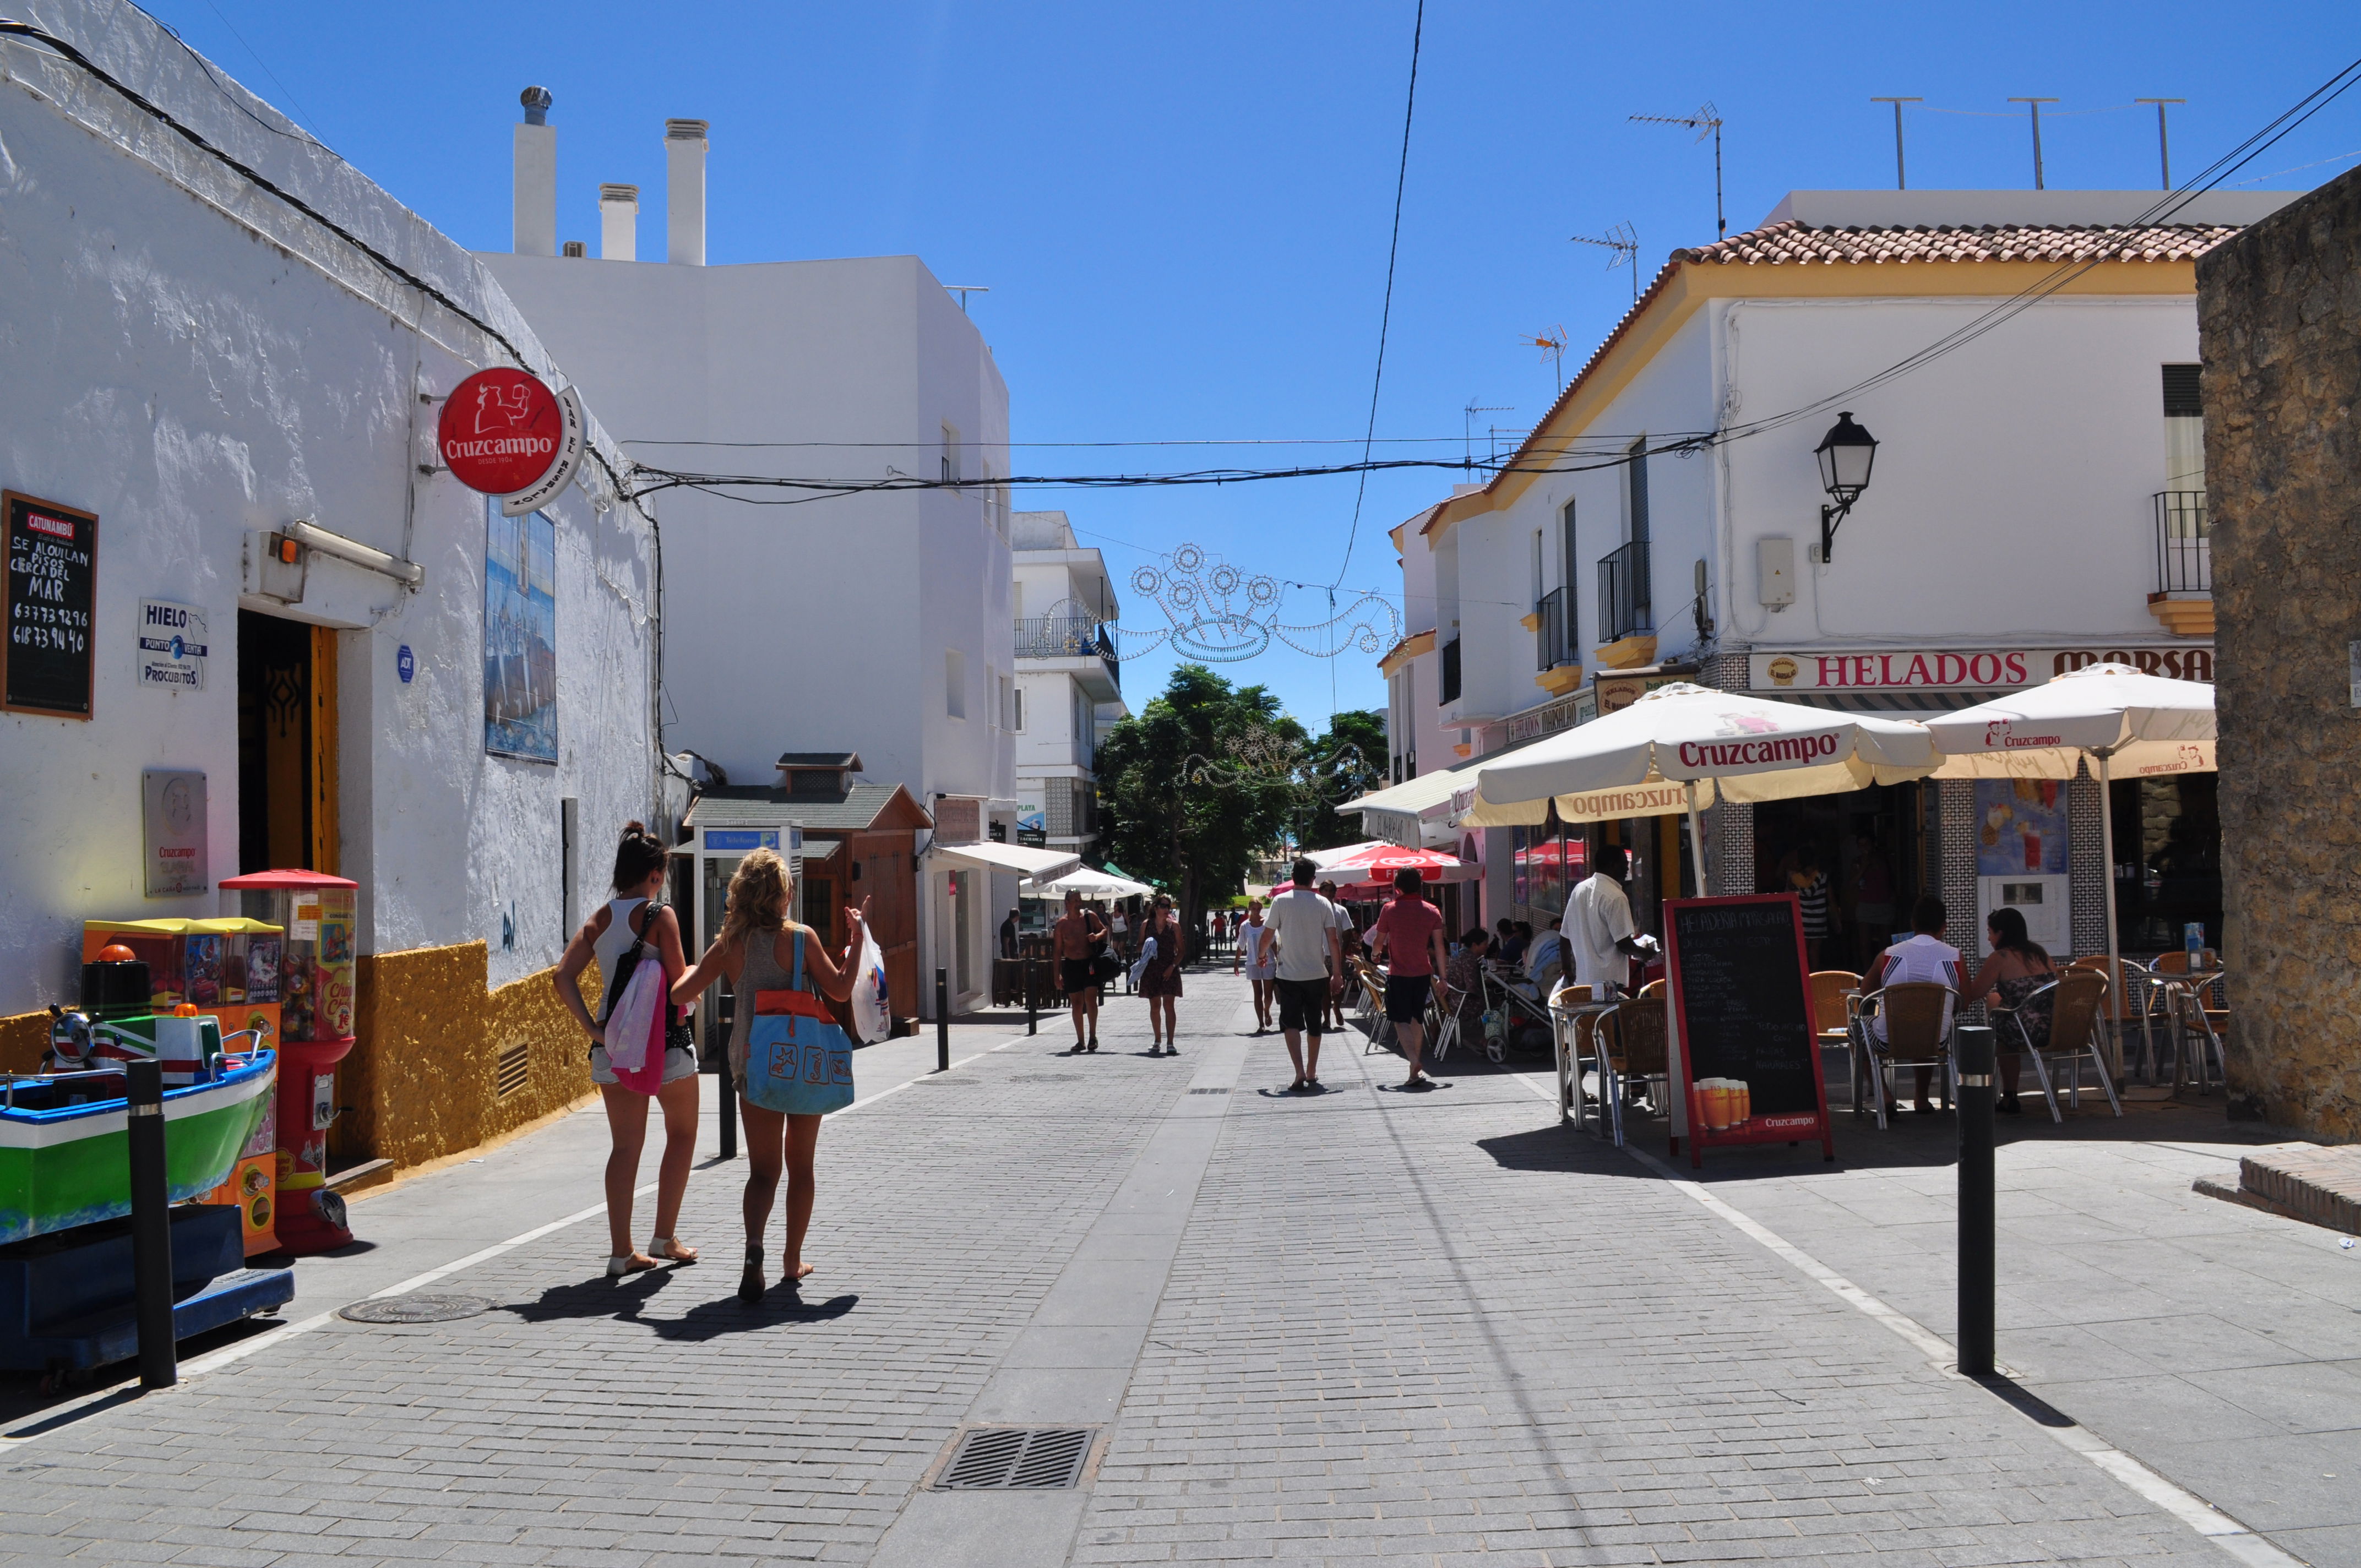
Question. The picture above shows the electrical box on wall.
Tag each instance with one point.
(1774, 569)
(276, 566)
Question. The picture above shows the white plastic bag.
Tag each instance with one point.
(633, 1019)
(873, 1018)
(1139, 964)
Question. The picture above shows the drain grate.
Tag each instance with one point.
(415, 1309)
(944, 1082)
(1209, 1092)
(1046, 1078)
(1017, 1459)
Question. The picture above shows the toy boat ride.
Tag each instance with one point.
(64, 1136)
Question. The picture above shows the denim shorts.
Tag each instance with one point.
(678, 1064)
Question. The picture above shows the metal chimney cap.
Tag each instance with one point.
(620, 194)
(536, 102)
(685, 130)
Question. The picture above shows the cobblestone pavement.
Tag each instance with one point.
(1358, 1326)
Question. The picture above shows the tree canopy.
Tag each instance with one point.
(1346, 763)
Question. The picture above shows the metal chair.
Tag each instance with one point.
(1632, 1046)
(1372, 987)
(1917, 1015)
(1571, 1034)
(1829, 1011)
(2077, 1000)
(2191, 1024)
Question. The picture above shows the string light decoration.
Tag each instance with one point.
(1218, 614)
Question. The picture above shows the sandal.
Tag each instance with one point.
(667, 1249)
(629, 1263)
(749, 1284)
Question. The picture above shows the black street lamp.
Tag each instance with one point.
(1845, 453)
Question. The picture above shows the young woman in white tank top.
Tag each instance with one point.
(640, 859)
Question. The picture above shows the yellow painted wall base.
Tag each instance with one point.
(2183, 617)
(1629, 652)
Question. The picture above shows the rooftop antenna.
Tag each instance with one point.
(2037, 104)
(1901, 179)
(1705, 121)
(1467, 456)
(1552, 349)
(2163, 147)
(1624, 241)
(964, 290)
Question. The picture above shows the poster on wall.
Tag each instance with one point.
(47, 599)
(172, 816)
(519, 636)
(2021, 827)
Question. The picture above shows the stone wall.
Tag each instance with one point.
(2280, 318)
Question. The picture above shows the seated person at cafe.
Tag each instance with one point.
(1463, 980)
(1545, 959)
(1511, 947)
(1924, 957)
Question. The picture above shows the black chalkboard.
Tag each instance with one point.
(46, 606)
(1743, 1002)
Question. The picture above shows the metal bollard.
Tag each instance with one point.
(942, 1020)
(151, 1226)
(1032, 1003)
(725, 1013)
(1973, 1049)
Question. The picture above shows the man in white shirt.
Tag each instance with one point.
(1925, 956)
(1303, 928)
(1344, 929)
(1599, 932)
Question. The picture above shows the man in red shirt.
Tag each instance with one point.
(1407, 938)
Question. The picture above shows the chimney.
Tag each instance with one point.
(536, 177)
(618, 223)
(685, 192)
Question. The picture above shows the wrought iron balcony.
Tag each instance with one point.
(2184, 544)
(1553, 635)
(1451, 670)
(1624, 605)
(1069, 637)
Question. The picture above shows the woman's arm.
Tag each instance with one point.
(719, 962)
(835, 984)
(568, 978)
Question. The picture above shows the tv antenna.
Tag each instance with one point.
(1706, 122)
(1552, 349)
(964, 289)
(1901, 174)
(1624, 241)
(2163, 147)
(1467, 456)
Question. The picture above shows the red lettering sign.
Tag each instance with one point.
(499, 431)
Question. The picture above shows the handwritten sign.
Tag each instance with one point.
(1743, 1002)
(46, 606)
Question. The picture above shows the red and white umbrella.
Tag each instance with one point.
(1380, 862)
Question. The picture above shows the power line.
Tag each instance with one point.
(1385, 317)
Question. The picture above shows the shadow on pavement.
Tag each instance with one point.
(625, 1300)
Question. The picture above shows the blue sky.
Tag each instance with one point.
(1182, 212)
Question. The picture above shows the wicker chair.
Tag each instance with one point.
(2076, 1003)
(1632, 1046)
(1917, 1016)
(1829, 1011)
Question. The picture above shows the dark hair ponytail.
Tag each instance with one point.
(2009, 934)
(639, 855)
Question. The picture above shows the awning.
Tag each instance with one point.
(1041, 865)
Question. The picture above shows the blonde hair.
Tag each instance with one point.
(759, 892)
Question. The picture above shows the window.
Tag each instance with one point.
(1017, 708)
(2184, 430)
(951, 456)
(954, 683)
(1008, 702)
(1567, 557)
(1635, 493)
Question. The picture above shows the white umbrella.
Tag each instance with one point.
(1088, 884)
(1682, 747)
(2124, 722)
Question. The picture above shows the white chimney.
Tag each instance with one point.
(618, 223)
(685, 192)
(536, 175)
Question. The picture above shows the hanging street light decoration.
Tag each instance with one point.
(1846, 454)
(1217, 614)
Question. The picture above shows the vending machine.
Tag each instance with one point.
(316, 998)
(228, 969)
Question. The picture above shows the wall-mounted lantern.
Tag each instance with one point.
(1845, 453)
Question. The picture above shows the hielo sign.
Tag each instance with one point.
(502, 431)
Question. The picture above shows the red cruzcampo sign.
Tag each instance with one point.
(500, 431)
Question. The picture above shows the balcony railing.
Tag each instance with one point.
(1553, 639)
(1451, 670)
(1624, 592)
(2184, 546)
(1068, 637)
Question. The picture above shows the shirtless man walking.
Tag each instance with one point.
(1078, 931)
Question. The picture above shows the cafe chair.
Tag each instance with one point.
(2077, 1004)
(1917, 1015)
(1655, 988)
(1372, 986)
(2190, 1023)
(1442, 1019)
(1830, 1013)
(1631, 1050)
(1571, 1034)
(2135, 994)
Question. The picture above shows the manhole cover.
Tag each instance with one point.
(1045, 1078)
(415, 1309)
(1025, 1459)
(945, 1082)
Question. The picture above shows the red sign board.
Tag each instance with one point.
(500, 431)
(1742, 1001)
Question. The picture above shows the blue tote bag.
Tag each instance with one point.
(798, 1061)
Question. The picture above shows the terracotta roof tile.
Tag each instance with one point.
(1793, 244)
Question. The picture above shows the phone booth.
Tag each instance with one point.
(718, 851)
(315, 987)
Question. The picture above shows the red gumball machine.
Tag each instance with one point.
(316, 979)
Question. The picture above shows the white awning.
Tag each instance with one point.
(1041, 865)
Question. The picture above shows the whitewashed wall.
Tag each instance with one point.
(191, 359)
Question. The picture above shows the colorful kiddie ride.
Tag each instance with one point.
(66, 1302)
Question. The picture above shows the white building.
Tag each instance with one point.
(2036, 503)
(1069, 679)
(213, 373)
(878, 622)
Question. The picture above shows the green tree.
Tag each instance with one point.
(1346, 763)
(1196, 784)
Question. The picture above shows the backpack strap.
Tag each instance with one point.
(798, 982)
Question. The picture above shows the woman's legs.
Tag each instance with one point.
(678, 1099)
(765, 1153)
(627, 1125)
(802, 1141)
(1165, 1007)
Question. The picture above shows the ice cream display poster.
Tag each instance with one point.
(2021, 827)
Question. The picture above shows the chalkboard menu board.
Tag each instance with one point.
(1742, 1002)
(46, 605)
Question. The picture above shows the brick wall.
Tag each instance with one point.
(2279, 314)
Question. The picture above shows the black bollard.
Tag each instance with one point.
(1032, 1011)
(942, 1020)
(1973, 1048)
(151, 1227)
(728, 1104)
